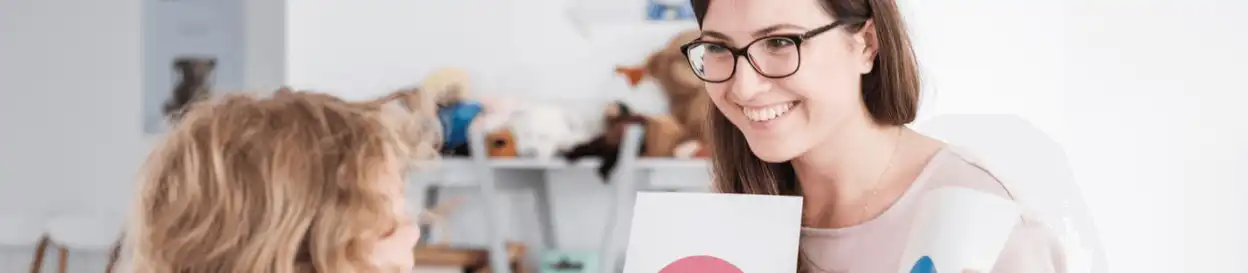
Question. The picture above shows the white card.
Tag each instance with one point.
(959, 229)
(714, 233)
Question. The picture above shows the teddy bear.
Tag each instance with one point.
(686, 94)
(660, 139)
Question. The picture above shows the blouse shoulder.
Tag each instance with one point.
(957, 168)
(1032, 246)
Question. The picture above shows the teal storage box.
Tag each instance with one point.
(568, 262)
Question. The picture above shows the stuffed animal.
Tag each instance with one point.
(456, 120)
(195, 84)
(686, 95)
(660, 138)
(446, 86)
(543, 131)
(501, 143)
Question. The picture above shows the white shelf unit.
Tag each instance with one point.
(632, 173)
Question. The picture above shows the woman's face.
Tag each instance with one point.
(393, 253)
(783, 118)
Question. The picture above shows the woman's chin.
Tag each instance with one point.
(774, 153)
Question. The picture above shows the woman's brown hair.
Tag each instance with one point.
(293, 183)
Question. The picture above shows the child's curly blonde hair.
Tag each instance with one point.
(296, 182)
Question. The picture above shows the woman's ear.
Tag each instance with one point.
(869, 46)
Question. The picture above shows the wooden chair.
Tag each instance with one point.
(36, 264)
(92, 232)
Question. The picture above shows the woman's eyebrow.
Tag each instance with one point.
(716, 35)
(758, 33)
(774, 28)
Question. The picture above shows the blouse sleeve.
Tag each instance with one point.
(1031, 248)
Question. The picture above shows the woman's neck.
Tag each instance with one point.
(846, 168)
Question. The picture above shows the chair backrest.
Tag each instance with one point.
(1035, 168)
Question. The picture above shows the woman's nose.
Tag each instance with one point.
(746, 83)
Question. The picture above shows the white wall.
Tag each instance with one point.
(70, 120)
(70, 77)
(1155, 107)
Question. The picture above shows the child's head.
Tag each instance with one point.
(299, 182)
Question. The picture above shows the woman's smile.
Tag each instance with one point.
(766, 116)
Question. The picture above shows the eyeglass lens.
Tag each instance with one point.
(772, 57)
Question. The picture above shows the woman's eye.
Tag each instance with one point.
(778, 43)
(713, 48)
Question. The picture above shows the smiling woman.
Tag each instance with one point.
(812, 98)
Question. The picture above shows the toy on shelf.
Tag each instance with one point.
(543, 131)
(446, 86)
(686, 95)
(455, 119)
(194, 84)
(501, 143)
(661, 138)
(448, 89)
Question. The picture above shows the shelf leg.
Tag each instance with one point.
(489, 194)
(623, 186)
(546, 212)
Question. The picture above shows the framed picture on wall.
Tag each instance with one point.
(668, 10)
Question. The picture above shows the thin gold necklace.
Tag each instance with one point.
(875, 189)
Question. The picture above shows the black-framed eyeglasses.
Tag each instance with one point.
(774, 56)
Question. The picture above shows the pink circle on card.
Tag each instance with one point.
(700, 264)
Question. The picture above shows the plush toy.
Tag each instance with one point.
(456, 120)
(446, 86)
(686, 95)
(194, 84)
(543, 131)
(660, 138)
(501, 143)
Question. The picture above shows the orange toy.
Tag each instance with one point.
(501, 143)
(634, 74)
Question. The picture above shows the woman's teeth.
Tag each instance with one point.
(767, 113)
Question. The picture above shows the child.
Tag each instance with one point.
(296, 183)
